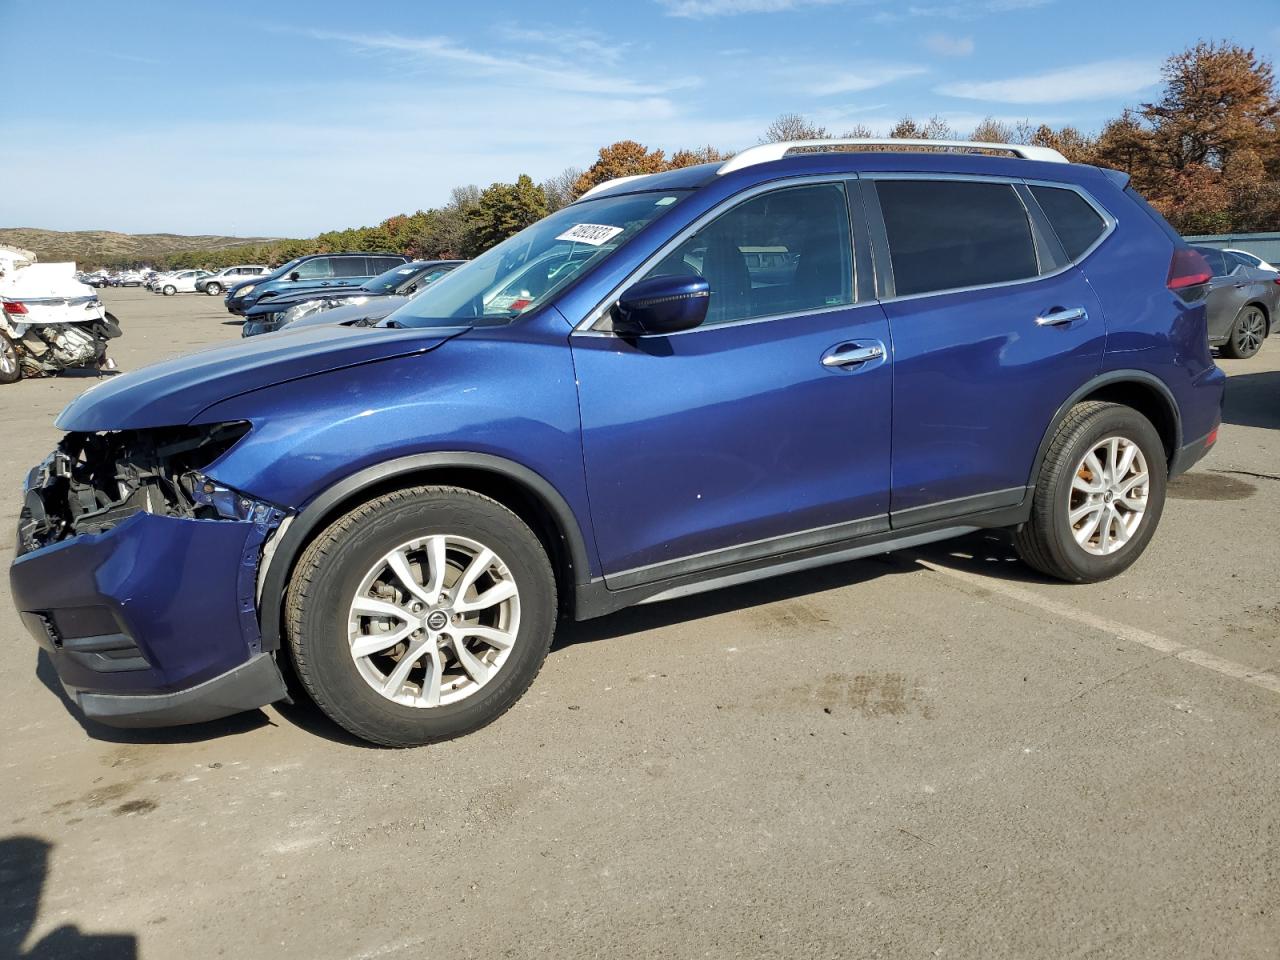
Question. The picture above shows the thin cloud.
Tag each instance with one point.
(586, 42)
(825, 80)
(958, 10)
(945, 45)
(1090, 81)
(702, 9)
(545, 71)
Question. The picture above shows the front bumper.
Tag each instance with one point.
(153, 622)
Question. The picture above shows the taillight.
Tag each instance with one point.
(15, 308)
(1188, 269)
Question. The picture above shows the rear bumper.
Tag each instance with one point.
(153, 622)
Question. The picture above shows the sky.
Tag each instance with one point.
(289, 118)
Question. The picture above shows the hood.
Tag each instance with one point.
(175, 391)
(292, 296)
(375, 308)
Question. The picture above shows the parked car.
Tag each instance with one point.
(396, 284)
(184, 281)
(1243, 299)
(215, 284)
(403, 509)
(1253, 259)
(315, 272)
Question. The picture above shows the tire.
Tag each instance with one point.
(1049, 541)
(10, 362)
(212, 289)
(341, 566)
(169, 290)
(1247, 334)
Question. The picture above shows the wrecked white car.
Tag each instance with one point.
(49, 321)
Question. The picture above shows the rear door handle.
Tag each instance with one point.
(855, 354)
(1058, 317)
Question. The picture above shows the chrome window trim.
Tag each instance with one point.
(596, 314)
(1108, 219)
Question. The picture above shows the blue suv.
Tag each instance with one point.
(314, 273)
(679, 382)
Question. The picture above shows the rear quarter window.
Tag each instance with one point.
(350, 266)
(951, 234)
(1075, 221)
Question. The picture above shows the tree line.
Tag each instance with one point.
(1206, 154)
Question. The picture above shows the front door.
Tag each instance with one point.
(707, 446)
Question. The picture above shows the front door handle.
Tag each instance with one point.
(854, 354)
(1060, 316)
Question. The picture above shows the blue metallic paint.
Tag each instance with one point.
(674, 445)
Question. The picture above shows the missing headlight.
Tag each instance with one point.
(93, 481)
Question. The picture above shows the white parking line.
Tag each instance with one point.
(1181, 651)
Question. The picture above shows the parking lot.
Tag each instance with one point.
(933, 753)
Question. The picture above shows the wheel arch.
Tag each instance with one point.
(1143, 391)
(520, 489)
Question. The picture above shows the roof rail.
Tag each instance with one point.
(610, 183)
(776, 151)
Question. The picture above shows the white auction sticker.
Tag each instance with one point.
(592, 233)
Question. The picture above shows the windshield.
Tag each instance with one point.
(386, 282)
(526, 270)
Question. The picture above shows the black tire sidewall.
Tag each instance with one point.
(1114, 421)
(1236, 329)
(332, 676)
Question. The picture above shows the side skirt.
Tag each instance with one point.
(595, 599)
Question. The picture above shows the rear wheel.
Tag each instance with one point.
(1247, 334)
(213, 289)
(421, 615)
(10, 366)
(1098, 497)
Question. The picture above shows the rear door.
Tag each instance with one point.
(993, 328)
(735, 440)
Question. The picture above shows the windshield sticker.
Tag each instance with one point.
(595, 234)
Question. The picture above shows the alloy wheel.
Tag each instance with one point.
(1250, 332)
(1109, 494)
(434, 621)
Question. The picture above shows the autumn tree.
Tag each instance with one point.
(689, 158)
(626, 158)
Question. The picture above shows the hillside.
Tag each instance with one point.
(98, 248)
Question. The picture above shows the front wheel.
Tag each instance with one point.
(169, 290)
(1247, 334)
(10, 365)
(213, 289)
(1098, 497)
(421, 615)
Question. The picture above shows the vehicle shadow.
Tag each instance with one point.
(213, 730)
(24, 869)
(1253, 400)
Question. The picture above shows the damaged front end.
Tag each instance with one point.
(137, 572)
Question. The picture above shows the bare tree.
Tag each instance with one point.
(559, 189)
(793, 126)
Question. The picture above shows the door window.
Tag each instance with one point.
(1217, 262)
(951, 234)
(782, 252)
(381, 264)
(1075, 221)
(350, 266)
(317, 269)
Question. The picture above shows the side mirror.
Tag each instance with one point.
(295, 275)
(662, 305)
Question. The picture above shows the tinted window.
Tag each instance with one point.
(379, 264)
(1236, 260)
(1074, 220)
(1217, 262)
(781, 252)
(317, 269)
(350, 266)
(946, 234)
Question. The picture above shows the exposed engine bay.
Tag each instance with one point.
(94, 481)
(51, 348)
